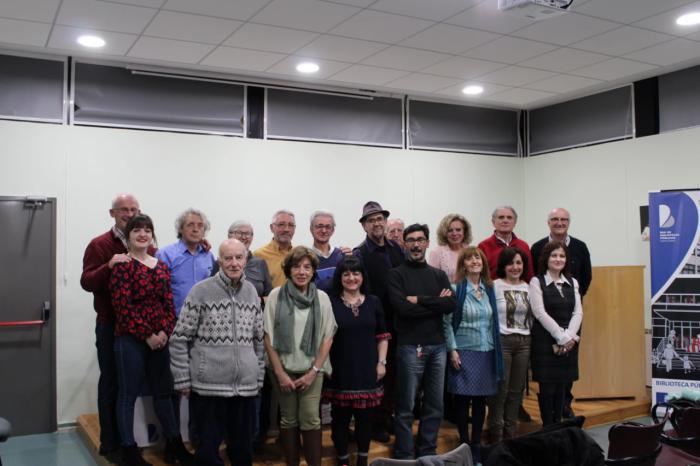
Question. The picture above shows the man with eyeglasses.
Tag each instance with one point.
(100, 256)
(282, 227)
(579, 262)
(322, 226)
(379, 255)
(421, 295)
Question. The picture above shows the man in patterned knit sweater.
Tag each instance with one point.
(216, 355)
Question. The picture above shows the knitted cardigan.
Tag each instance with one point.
(217, 346)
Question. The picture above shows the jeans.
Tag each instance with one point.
(415, 371)
(503, 408)
(137, 363)
(232, 418)
(107, 388)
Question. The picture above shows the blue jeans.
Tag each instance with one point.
(136, 364)
(107, 388)
(414, 372)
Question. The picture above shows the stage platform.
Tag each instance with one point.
(597, 412)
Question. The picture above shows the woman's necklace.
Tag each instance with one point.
(354, 304)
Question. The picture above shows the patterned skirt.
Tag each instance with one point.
(476, 377)
(358, 399)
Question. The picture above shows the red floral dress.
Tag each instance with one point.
(142, 299)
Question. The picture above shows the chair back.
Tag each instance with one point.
(632, 443)
(685, 431)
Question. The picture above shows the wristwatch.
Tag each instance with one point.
(382, 362)
(316, 369)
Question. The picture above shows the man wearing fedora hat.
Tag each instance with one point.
(379, 255)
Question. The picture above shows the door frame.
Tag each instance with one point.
(51, 321)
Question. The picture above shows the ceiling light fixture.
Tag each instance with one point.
(472, 90)
(307, 67)
(689, 19)
(92, 42)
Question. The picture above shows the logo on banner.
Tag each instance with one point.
(666, 220)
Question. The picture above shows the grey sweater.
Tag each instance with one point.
(216, 348)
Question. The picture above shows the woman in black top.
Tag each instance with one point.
(358, 356)
(556, 305)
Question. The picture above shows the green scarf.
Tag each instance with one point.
(288, 298)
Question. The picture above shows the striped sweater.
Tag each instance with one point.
(216, 348)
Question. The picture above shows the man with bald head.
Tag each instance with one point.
(219, 334)
(579, 262)
(100, 256)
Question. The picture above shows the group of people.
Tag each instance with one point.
(381, 332)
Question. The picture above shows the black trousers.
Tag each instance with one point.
(551, 400)
(232, 419)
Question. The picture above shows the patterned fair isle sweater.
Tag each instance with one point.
(217, 346)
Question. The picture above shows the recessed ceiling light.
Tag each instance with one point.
(307, 67)
(92, 42)
(473, 90)
(689, 19)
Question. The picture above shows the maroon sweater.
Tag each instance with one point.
(493, 246)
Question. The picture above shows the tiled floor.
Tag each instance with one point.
(66, 448)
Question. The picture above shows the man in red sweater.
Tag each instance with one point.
(100, 256)
(504, 219)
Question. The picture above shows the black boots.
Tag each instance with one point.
(131, 456)
(175, 451)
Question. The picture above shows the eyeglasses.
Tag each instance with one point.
(127, 210)
(242, 234)
(559, 219)
(285, 225)
(323, 227)
(420, 241)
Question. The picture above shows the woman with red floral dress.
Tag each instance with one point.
(358, 356)
(145, 317)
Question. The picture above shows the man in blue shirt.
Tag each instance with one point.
(188, 259)
(322, 227)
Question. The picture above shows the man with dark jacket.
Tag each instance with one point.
(420, 295)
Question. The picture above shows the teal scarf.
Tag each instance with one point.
(288, 298)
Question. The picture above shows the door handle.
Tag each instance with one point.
(45, 315)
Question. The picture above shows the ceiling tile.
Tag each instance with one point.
(448, 39)
(509, 50)
(382, 27)
(666, 22)
(621, 41)
(668, 53)
(615, 68)
(422, 82)
(169, 50)
(464, 68)
(370, 75)
(145, 3)
(456, 91)
(239, 9)
(310, 15)
(195, 28)
(14, 31)
(403, 58)
(515, 76)
(288, 67)
(30, 10)
(65, 37)
(520, 97)
(626, 11)
(93, 14)
(359, 3)
(564, 59)
(340, 48)
(487, 16)
(565, 29)
(435, 11)
(563, 83)
(242, 59)
(269, 38)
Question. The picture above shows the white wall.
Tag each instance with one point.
(228, 178)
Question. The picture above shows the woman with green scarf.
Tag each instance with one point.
(299, 329)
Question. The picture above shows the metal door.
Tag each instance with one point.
(27, 323)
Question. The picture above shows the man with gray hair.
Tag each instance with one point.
(394, 230)
(322, 226)
(216, 356)
(504, 219)
(189, 260)
(283, 226)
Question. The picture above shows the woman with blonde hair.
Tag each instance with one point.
(473, 345)
(453, 235)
